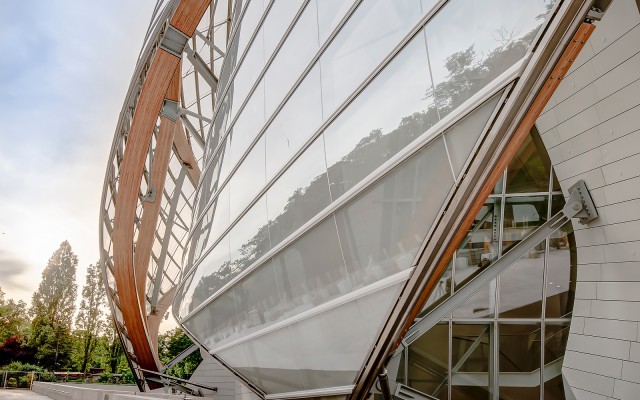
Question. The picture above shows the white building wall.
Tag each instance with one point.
(210, 372)
(591, 128)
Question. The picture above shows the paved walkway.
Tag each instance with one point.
(20, 394)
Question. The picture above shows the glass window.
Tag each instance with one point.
(247, 74)
(560, 287)
(215, 221)
(249, 238)
(522, 215)
(216, 322)
(428, 362)
(373, 128)
(298, 119)
(470, 354)
(330, 12)
(299, 194)
(462, 137)
(210, 274)
(277, 22)
(247, 26)
(371, 33)
(294, 55)
(521, 286)
(330, 357)
(311, 271)
(381, 230)
(471, 42)
(519, 362)
(274, 362)
(248, 179)
(529, 170)
(247, 125)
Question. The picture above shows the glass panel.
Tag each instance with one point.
(529, 170)
(521, 286)
(561, 273)
(481, 305)
(256, 297)
(274, 362)
(294, 124)
(522, 215)
(331, 357)
(429, 362)
(218, 129)
(330, 12)
(372, 32)
(519, 362)
(471, 42)
(212, 273)
(470, 362)
(216, 322)
(249, 238)
(381, 230)
(310, 271)
(248, 179)
(462, 137)
(299, 194)
(442, 290)
(215, 221)
(293, 57)
(248, 24)
(555, 344)
(247, 74)
(247, 125)
(481, 246)
(373, 129)
(277, 22)
(214, 175)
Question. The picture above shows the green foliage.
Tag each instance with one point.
(52, 308)
(13, 318)
(170, 345)
(18, 366)
(90, 322)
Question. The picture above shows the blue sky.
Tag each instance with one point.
(65, 67)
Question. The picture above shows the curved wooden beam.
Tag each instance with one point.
(159, 75)
(151, 207)
(185, 153)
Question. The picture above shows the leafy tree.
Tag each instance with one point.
(13, 317)
(170, 345)
(52, 308)
(90, 322)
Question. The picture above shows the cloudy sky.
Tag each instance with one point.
(65, 67)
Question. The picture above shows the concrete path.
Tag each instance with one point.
(20, 394)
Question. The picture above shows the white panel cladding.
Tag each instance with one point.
(591, 128)
(211, 373)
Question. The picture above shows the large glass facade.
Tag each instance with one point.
(507, 341)
(332, 152)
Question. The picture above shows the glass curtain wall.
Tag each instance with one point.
(507, 341)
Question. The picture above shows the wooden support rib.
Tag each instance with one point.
(185, 153)
(144, 119)
(154, 320)
(188, 15)
(151, 209)
(540, 102)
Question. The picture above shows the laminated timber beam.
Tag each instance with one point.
(155, 88)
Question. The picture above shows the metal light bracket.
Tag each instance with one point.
(170, 110)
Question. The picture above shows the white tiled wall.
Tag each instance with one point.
(591, 128)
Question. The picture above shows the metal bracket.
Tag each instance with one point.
(580, 204)
(150, 196)
(173, 41)
(170, 110)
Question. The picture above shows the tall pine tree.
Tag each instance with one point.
(90, 322)
(52, 309)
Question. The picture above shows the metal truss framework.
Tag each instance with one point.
(154, 166)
